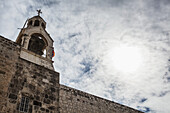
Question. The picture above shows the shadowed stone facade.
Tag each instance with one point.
(21, 78)
(29, 84)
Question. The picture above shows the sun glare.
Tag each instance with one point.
(126, 59)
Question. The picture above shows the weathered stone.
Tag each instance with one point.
(32, 87)
(46, 95)
(47, 101)
(11, 85)
(53, 89)
(2, 72)
(52, 98)
(36, 108)
(51, 107)
(12, 96)
(12, 101)
(37, 103)
(37, 98)
(47, 111)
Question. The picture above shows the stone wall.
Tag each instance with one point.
(8, 58)
(20, 78)
(75, 101)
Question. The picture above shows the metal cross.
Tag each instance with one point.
(39, 12)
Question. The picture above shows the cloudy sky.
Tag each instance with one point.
(115, 49)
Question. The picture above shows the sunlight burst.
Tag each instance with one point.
(126, 59)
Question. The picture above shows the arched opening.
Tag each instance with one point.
(43, 26)
(30, 22)
(36, 23)
(37, 44)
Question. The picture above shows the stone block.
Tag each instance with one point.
(12, 96)
(37, 103)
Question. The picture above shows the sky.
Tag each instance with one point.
(115, 49)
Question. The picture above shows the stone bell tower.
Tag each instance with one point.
(36, 43)
(28, 81)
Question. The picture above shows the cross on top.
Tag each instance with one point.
(39, 12)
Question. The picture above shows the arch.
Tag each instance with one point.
(36, 23)
(30, 22)
(42, 37)
(37, 44)
(43, 25)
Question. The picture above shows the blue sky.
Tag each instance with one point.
(88, 32)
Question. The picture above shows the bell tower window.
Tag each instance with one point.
(37, 44)
(36, 23)
(30, 22)
(43, 26)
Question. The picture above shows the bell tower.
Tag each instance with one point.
(36, 43)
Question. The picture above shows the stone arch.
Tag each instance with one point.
(36, 23)
(43, 25)
(37, 43)
(30, 22)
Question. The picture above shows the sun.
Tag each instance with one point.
(126, 58)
